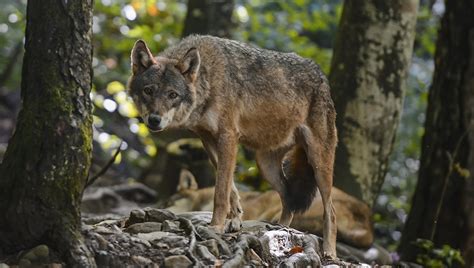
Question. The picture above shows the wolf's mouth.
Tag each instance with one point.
(155, 128)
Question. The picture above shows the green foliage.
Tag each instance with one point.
(433, 257)
(306, 27)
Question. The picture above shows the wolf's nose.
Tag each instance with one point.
(154, 121)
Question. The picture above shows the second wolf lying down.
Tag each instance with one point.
(354, 225)
(278, 104)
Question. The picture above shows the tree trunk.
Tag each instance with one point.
(47, 161)
(449, 134)
(371, 58)
(212, 17)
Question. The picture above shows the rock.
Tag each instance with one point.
(254, 226)
(92, 219)
(298, 260)
(198, 217)
(212, 246)
(171, 226)
(142, 261)
(35, 256)
(103, 230)
(136, 216)
(24, 263)
(158, 215)
(175, 241)
(177, 251)
(177, 261)
(4, 265)
(144, 227)
(255, 259)
(153, 235)
(101, 241)
(204, 253)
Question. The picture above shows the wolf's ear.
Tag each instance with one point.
(186, 181)
(141, 57)
(189, 64)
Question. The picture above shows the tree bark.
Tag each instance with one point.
(449, 134)
(212, 17)
(47, 161)
(372, 54)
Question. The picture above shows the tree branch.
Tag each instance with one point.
(105, 168)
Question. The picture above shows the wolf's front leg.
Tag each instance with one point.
(234, 222)
(226, 153)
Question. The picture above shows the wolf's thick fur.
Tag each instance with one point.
(227, 92)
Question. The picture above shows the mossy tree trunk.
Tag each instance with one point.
(371, 58)
(212, 17)
(447, 156)
(47, 161)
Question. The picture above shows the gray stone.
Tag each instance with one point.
(177, 251)
(298, 260)
(142, 261)
(37, 255)
(212, 246)
(136, 216)
(101, 241)
(92, 219)
(170, 226)
(177, 261)
(103, 230)
(198, 217)
(144, 227)
(4, 265)
(175, 241)
(158, 215)
(204, 253)
(153, 235)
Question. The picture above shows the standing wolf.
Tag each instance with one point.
(278, 104)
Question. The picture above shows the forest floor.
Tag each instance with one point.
(121, 233)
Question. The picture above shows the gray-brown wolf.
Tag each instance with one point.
(278, 104)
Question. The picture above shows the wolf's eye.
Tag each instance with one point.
(148, 90)
(172, 95)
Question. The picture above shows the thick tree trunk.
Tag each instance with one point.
(370, 63)
(48, 157)
(212, 17)
(449, 134)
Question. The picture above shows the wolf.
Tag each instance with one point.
(354, 225)
(228, 92)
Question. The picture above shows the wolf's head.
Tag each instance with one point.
(163, 89)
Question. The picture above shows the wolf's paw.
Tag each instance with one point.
(233, 225)
(330, 255)
(218, 229)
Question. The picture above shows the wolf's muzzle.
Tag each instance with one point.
(154, 122)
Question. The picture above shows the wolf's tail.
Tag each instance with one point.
(300, 181)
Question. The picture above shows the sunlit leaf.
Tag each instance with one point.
(115, 87)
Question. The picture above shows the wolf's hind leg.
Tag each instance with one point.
(270, 165)
(320, 144)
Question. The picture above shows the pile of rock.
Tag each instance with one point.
(157, 237)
